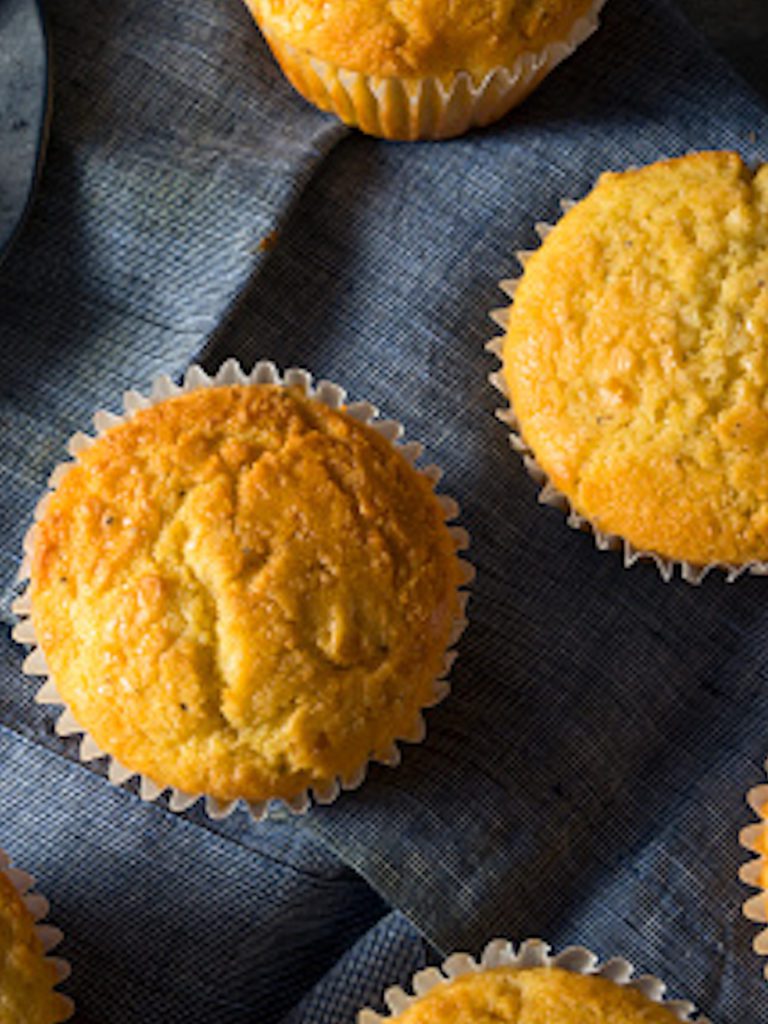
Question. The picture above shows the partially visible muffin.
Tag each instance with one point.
(539, 995)
(27, 978)
(423, 69)
(754, 837)
(636, 358)
(244, 593)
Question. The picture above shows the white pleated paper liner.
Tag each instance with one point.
(333, 396)
(426, 107)
(49, 935)
(531, 953)
(755, 872)
(550, 495)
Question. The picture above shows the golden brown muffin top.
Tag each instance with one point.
(538, 995)
(241, 592)
(637, 358)
(415, 38)
(26, 977)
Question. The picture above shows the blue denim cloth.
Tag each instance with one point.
(585, 780)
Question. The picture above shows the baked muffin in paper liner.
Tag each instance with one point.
(29, 976)
(410, 106)
(754, 873)
(641, 996)
(356, 418)
(725, 165)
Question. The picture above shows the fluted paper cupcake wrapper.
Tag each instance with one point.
(754, 873)
(49, 935)
(529, 954)
(331, 395)
(425, 108)
(550, 495)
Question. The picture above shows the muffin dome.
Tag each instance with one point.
(418, 37)
(636, 358)
(506, 995)
(242, 592)
(27, 979)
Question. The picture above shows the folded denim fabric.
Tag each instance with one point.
(584, 782)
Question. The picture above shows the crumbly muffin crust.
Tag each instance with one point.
(27, 995)
(506, 995)
(637, 358)
(241, 592)
(416, 38)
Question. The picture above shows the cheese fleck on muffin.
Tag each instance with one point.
(243, 593)
(636, 358)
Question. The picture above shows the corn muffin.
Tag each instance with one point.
(244, 593)
(27, 978)
(422, 69)
(538, 995)
(636, 358)
(754, 838)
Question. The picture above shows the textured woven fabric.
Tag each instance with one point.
(585, 780)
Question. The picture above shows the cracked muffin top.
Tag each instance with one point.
(243, 593)
(508, 995)
(416, 38)
(636, 358)
(27, 979)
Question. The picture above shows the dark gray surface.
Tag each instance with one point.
(739, 30)
(23, 109)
